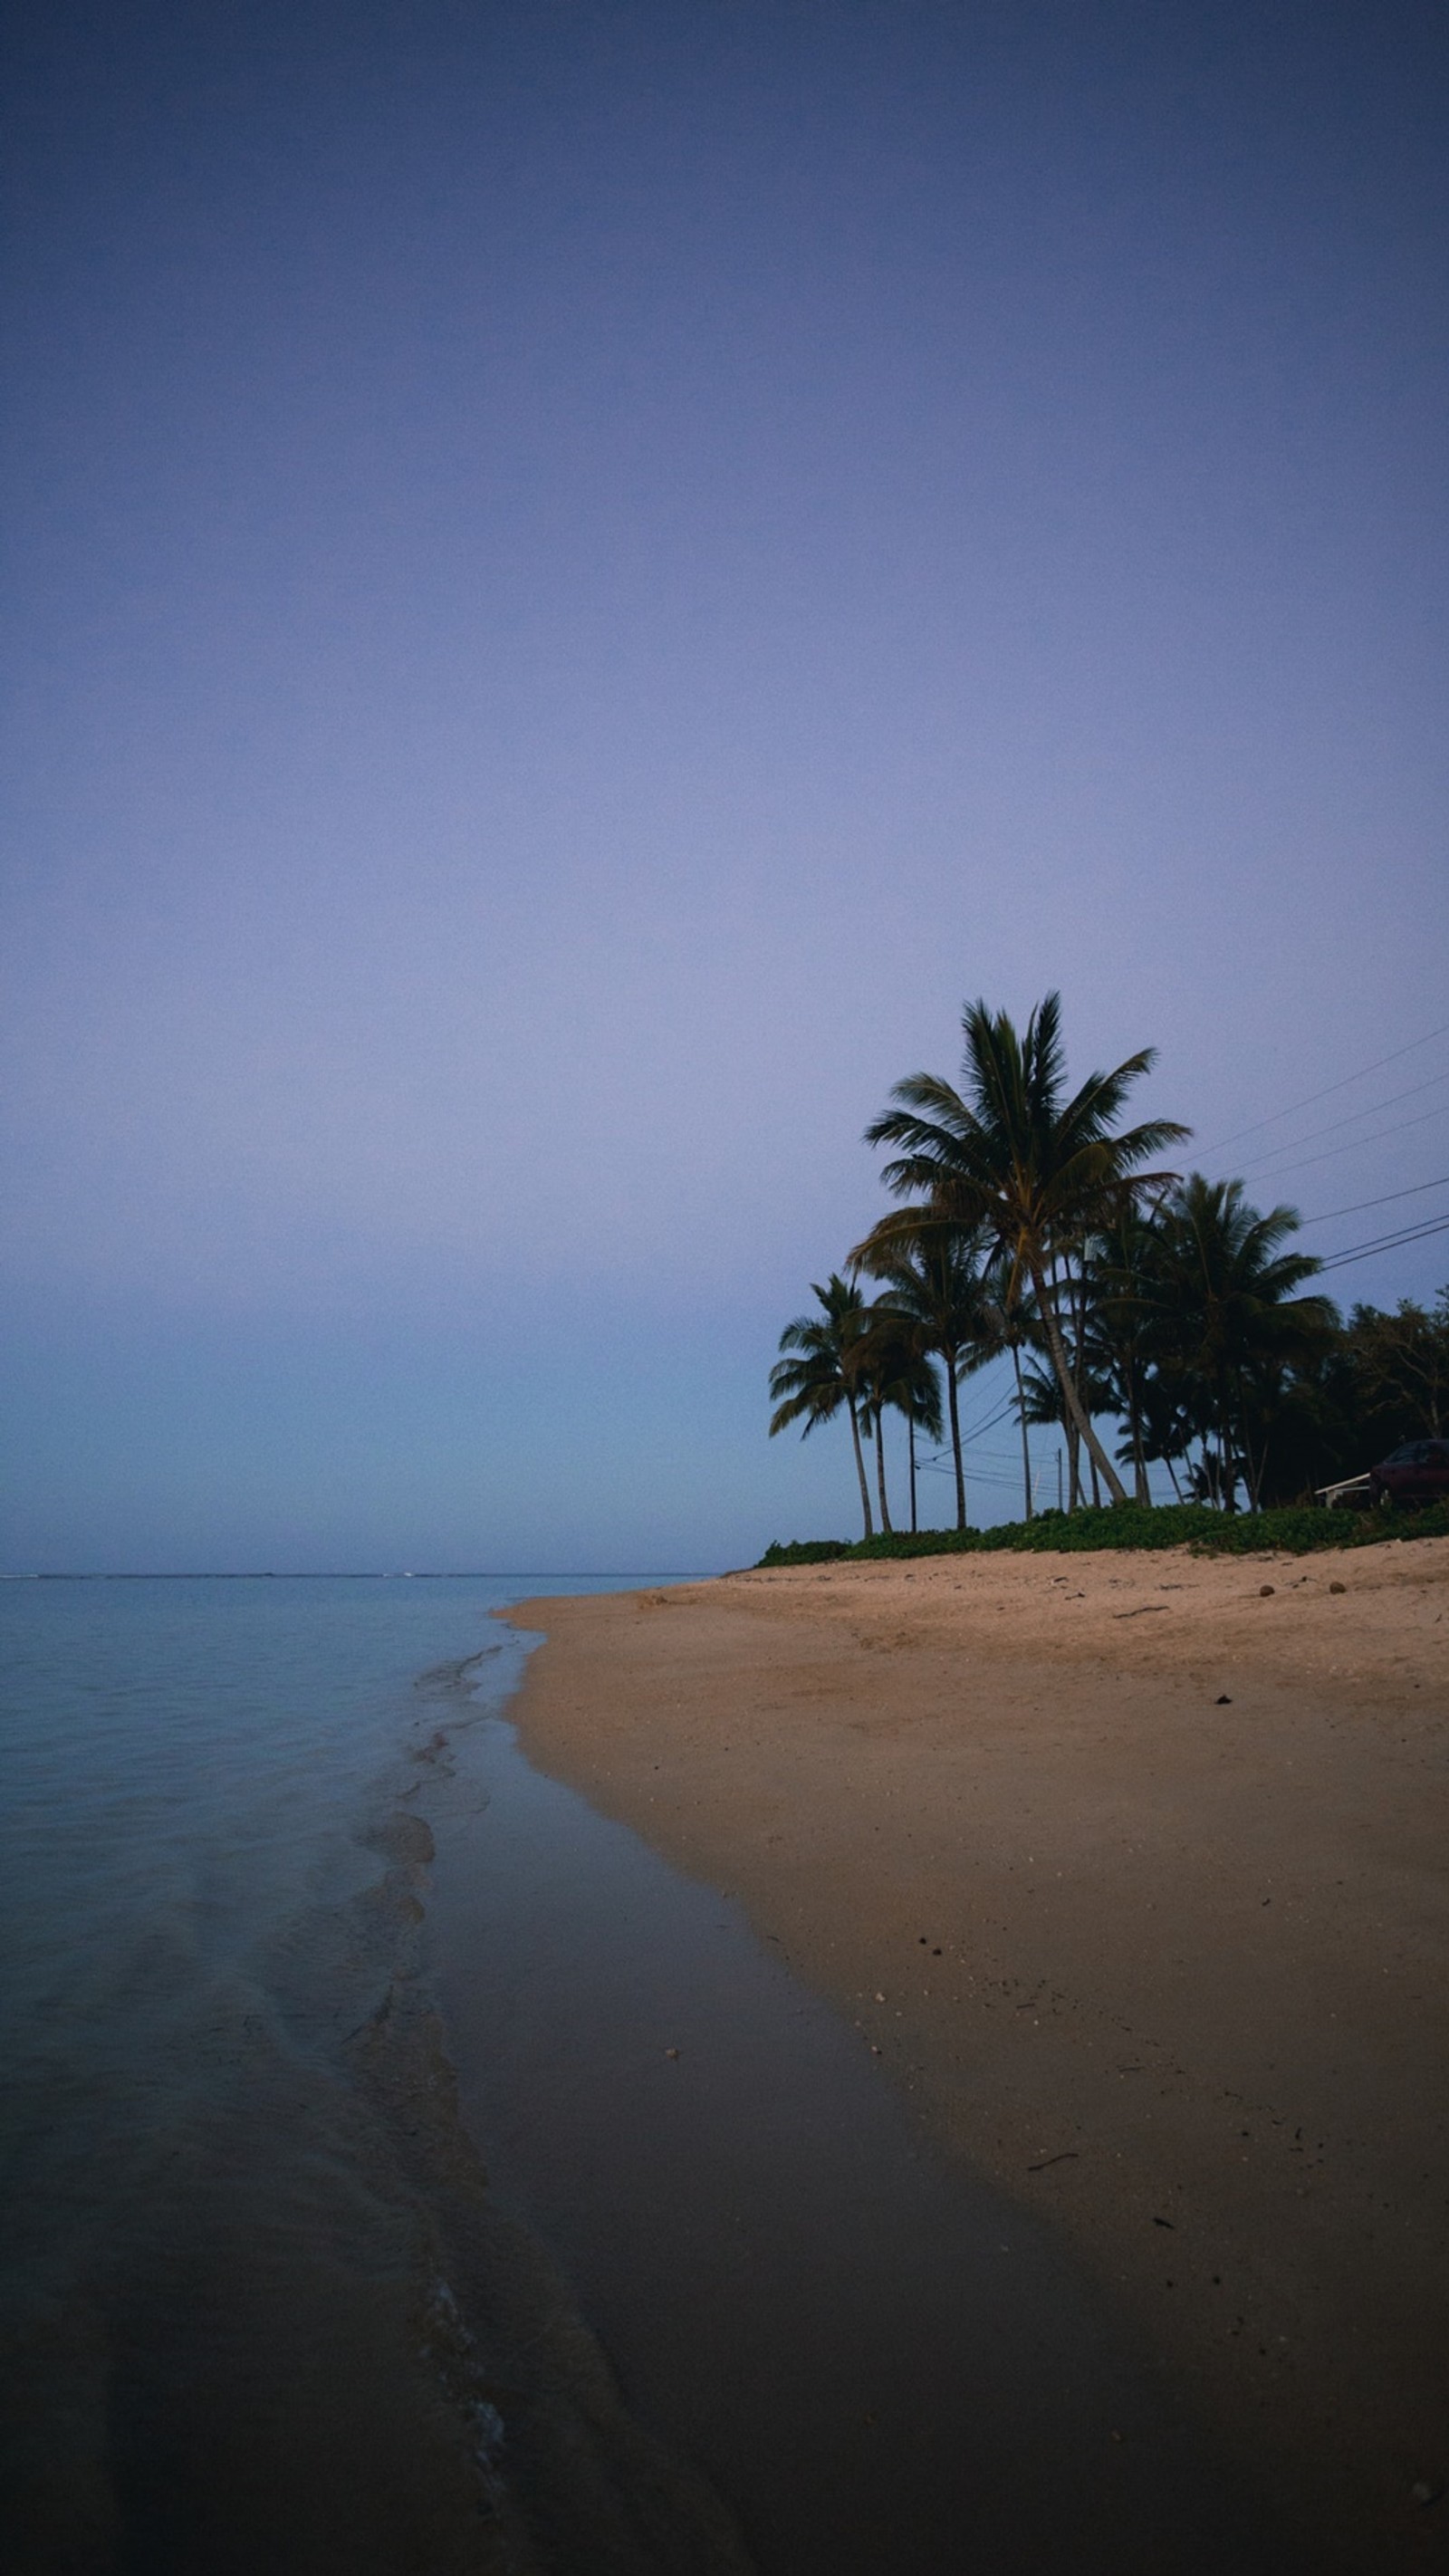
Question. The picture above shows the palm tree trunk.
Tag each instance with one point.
(1134, 1423)
(1021, 1418)
(1070, 1397)
(1077, 1290)
(1253, 1467)
(885, 1509)
(1227, 1481)
(1075, 1495)
(860, 1471)
(911, 1429)
(955, 1412)
(1128, 1382)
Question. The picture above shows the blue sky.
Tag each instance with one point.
(579, 578)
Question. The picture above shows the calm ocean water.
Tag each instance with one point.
(258, 2312)
(262, 2311)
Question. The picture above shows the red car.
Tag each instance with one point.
(1416, 1473)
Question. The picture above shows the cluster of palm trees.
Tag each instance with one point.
(1036, 1225)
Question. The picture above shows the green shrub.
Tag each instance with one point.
(806, 1551)
(1292, 1531)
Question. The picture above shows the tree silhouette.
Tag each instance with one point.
(1011, 1154)
(823, 1372)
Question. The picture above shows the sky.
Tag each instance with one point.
(580, 577)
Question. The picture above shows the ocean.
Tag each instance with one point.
(258, 2310)
(407, 2173)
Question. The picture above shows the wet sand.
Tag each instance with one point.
(875, 2365)
(1131, 1877)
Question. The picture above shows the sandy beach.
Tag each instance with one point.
(1129, 1869)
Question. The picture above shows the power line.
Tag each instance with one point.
(990, 1423)
(977, 1476)
(1386, 1243)
(1292, 1143)
(1360, 1205)
(976, 1430)
(1327, 1093)
(1351, 1144)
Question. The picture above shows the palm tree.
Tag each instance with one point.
(1040, 1402)
(1223, 1316)
(1014, 1156)
(1117, 1341)
(933, 1281)
(898, 1376)
(1015, 1334)
(922, 1409)
(1168, 1421)
(825, 1372)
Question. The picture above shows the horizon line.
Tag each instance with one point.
(343, 1574)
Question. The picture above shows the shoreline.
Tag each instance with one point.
(859, 2355)
(1129, 1872)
